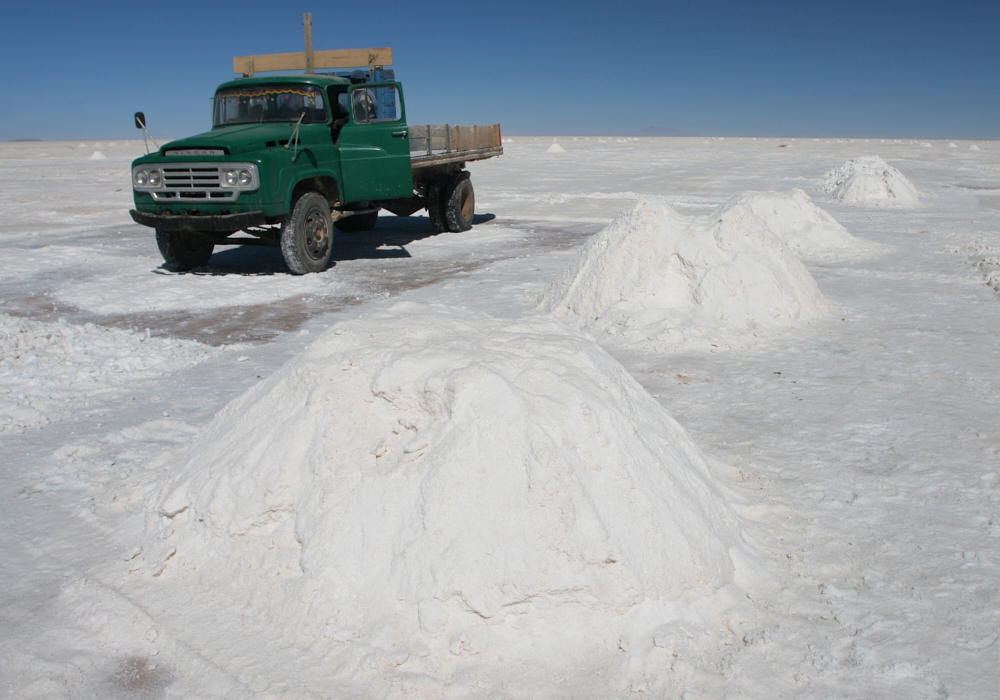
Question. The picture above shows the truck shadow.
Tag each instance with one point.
(388, 239)
(265, 320)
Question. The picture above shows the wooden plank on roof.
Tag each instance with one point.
(338, 58)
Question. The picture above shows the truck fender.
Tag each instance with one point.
(326, 185)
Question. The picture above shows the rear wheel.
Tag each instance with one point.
(459, 203)
(358, 222)
(307, 236)
(183, 250)
(435, 207)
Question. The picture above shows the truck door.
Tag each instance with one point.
(374, 145)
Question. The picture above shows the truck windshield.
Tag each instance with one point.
(269, 103)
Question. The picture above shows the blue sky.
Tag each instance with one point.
(872, 69)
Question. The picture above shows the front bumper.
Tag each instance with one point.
(209, 223)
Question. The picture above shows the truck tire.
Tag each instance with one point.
(459, 203)
(307, 236)
(357, 223)
(183, 250)
(435, 208)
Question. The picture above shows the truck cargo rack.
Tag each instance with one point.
(438, 144)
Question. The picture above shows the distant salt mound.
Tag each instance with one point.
(662, 281)
(97, 155)
(796, 221)
(438, 479)
(870, 182)
(974, 147)
(952, 144)
(555, 148)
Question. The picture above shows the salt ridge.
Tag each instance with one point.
(808, 231)
(870, 182)
(658, 280)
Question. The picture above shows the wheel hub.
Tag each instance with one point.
(466, 206)
(317, 235)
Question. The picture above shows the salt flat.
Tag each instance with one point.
(857, 450)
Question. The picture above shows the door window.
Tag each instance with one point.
(376, 104)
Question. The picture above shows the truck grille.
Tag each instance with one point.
(190, 181)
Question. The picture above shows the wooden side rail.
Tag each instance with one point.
(443, 139)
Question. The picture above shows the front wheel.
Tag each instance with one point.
(183, 250)
(459, 203)
(307, 236)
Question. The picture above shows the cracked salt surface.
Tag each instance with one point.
(859, 452)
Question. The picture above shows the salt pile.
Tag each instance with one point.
(97, 155)
(555, 148)
(48, 369)
(870, 181)
(974, 147)
(662, 281)
(450, 491)
(796, 221)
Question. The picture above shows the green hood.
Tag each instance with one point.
(236, 139)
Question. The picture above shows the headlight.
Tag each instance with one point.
(154, 178)
(232, 177)
(141, 178)
(245, 177)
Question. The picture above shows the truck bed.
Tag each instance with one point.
(438, 144)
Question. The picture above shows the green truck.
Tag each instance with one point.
(291, 157)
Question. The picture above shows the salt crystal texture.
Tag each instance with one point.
(793, 218)
(870, 182)
(49, 369)
(442, 475)
(659, 280)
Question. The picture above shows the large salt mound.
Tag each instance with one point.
(441, 480)
(793, 218)
(659, 280)
(870, 181)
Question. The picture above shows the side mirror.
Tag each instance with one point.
(140, 120)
